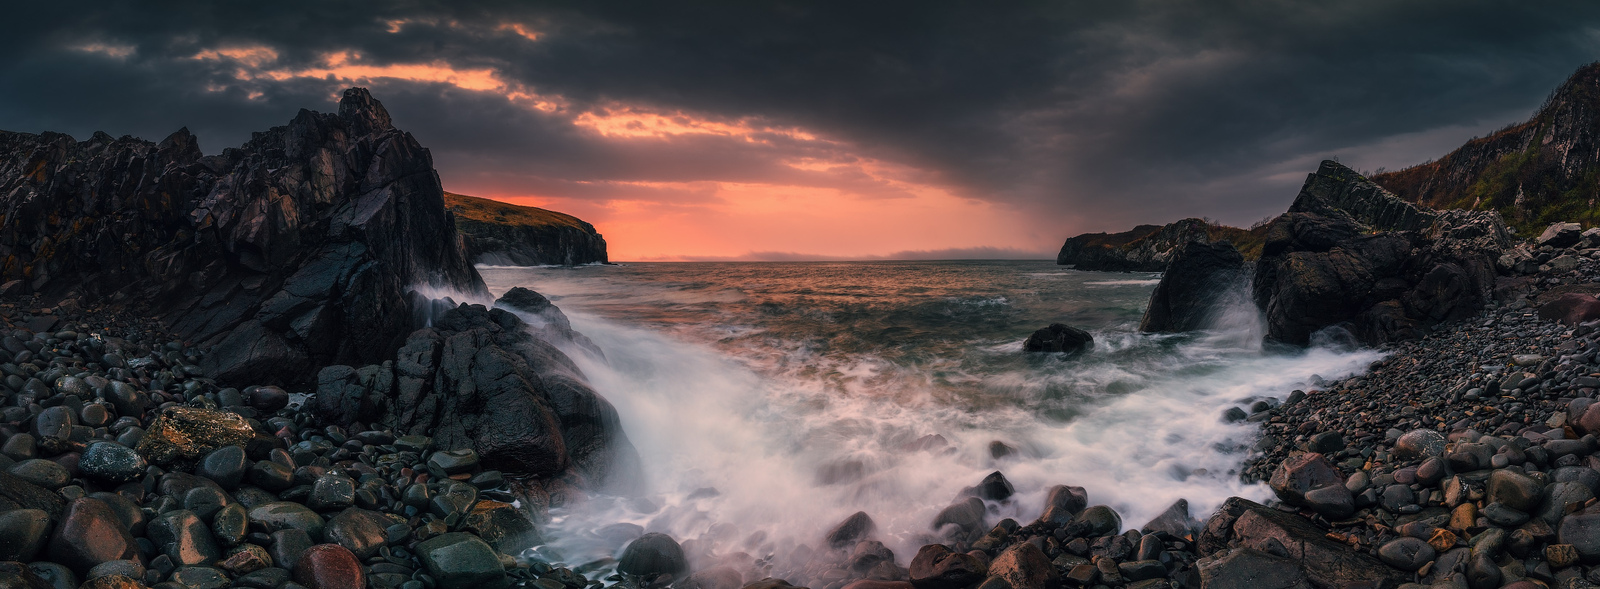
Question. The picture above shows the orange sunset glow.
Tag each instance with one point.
(830, 202)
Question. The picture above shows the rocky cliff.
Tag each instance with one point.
(300, 258)
(506, 234)
(1148, 248)
(295, 250)
(1350, 254)
(1534, 173)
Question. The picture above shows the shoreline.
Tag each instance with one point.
(384, 524)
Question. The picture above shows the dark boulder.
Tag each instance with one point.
(937, 567)
(1062, 503)
(1175, 521)
(1561, 235)
(1571, 309)
(1349, 254)
(1244, 568)
(653, 554)
(1059, 338)
(479, 379)
(1241, 523)
(859, 526)
(1025, 566)
(1194, 288)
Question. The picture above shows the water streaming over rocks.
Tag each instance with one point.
(771, 401)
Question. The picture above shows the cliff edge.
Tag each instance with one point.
(505, 234)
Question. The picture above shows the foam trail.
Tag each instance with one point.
(800, 409)
(771, 447)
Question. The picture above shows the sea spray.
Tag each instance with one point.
(759, 431)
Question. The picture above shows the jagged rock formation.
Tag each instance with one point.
(505, 234)
(1148, 248)
(1347, 253)
(295, 250)
(1534, 173)
(1193, 288)
(480, 379)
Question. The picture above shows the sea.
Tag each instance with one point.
(771, 400)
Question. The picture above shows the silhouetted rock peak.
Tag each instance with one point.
(363, 113)
(1337, 191)
(295, 250)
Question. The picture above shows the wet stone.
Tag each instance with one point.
(462, 561)
(1419, 443)
(246, 559)
(413, 443)
(41, 472)
(226, 466)
(267, 578)
(54, 422)
(1516, 491)
(199, 577)
(653, 554)
(360, 531)
(1406, 554)
(22, 534)
(288, 545)
(454, 461)
(90, 533)
(271, 476)
(188, 432)
(1397, 496)
(282, 515)
(184, 538)
(230, 524)
(127, 568)
(112, 462)
(853, 529)
(328, 566)
(332, 492)
(205, 501)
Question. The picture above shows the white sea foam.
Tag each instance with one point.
(795, 441)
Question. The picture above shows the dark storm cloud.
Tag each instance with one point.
(1087, 115)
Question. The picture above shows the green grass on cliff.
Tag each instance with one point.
(1248, 241)
(482, 210)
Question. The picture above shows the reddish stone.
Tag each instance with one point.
(90, 533)
(1301, 474)
(329, 566)
(1025, 566)
(1571, 308)
(112, 582)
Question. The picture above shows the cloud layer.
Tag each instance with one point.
(834, 129)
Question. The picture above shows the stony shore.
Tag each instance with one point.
(1462, 459)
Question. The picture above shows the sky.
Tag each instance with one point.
(755, 129)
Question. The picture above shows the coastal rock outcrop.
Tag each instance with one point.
(1149, 248)
(479, 378)
(293, 251)
(1349, 254)
(1194, 287)
(505, 234)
